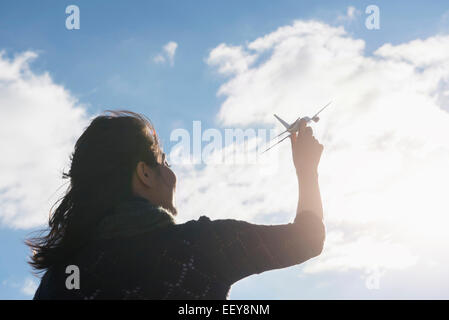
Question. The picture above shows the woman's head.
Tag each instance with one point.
(116, 157)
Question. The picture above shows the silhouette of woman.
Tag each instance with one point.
(115, 225)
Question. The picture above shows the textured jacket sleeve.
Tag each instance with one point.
(237, 249)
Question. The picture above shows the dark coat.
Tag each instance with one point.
(199, 259)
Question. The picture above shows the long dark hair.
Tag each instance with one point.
(102, 166)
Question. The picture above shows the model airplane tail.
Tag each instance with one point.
(284, 123)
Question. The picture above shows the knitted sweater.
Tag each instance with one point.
(140, 253)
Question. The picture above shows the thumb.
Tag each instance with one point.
(293, 138)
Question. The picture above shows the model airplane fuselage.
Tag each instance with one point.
(294, 127)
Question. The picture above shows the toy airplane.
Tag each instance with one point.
(294, 127)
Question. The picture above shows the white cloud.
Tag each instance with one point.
(350, 15)
(230, 60)
(159, 59)
(384, 171)
(29, 287)
(39, 124)
(351, 12)
(362, 252)
(169, 51)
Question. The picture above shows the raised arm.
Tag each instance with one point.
(306, 151)
(237, 249)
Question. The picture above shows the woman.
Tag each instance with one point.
(113, 234)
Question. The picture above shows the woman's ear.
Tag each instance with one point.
(145, 174)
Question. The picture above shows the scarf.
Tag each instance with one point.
(132, 217)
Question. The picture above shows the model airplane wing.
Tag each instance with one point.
(285, 124)
(322, 109)
(280, 134)
(277, 143)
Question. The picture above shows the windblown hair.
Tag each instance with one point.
(102, 166)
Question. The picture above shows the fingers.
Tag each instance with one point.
(320, 146)
(304, 129)
(308, 131)
(302, 125)
(305, 132)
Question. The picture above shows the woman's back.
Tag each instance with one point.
(199, 259)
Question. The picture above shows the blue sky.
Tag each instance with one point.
(109, 64)
(118, 40)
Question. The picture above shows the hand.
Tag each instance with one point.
(306, 150)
